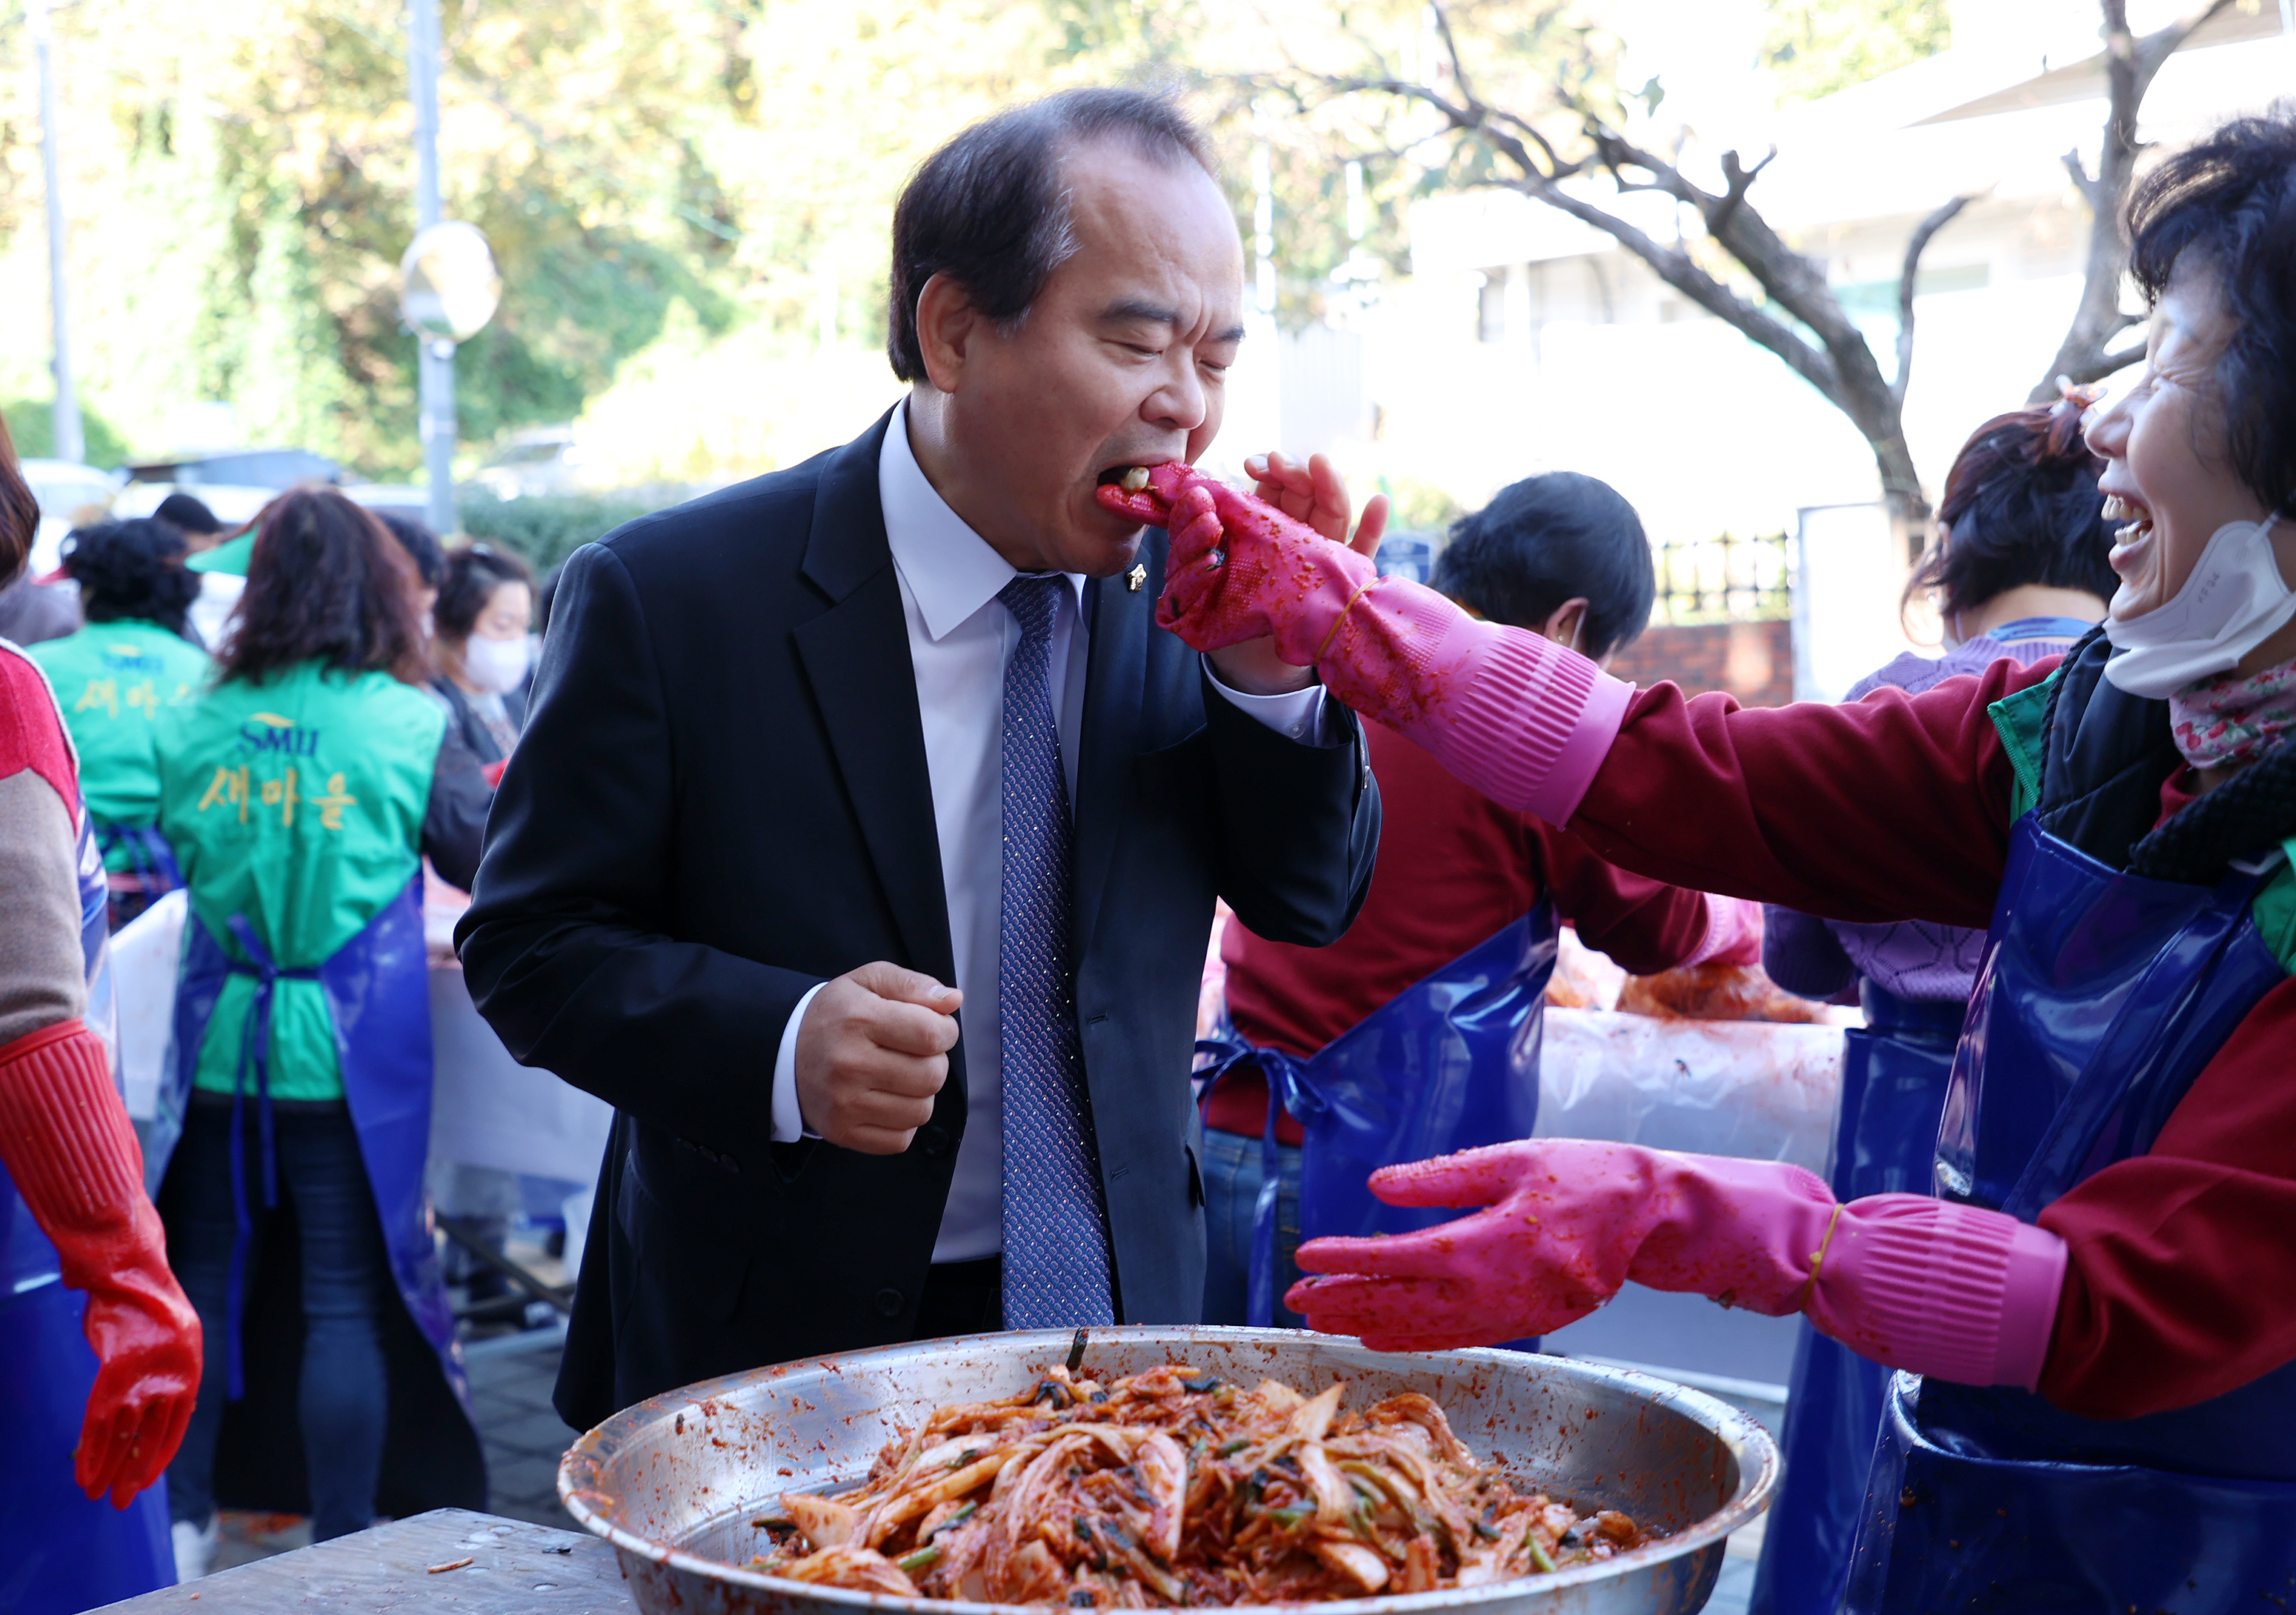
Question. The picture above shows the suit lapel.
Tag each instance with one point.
(857, 661)
(1117, 670)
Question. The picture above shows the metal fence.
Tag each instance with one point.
(1724, 578)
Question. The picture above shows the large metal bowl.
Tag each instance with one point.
(674, 1481)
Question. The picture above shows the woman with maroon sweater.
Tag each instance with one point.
(2098, 1312)
(1561, 555)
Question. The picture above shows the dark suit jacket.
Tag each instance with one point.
(721, 799)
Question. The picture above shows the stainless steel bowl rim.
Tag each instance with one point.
(1729, 1425)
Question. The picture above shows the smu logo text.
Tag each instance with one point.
(268, 734)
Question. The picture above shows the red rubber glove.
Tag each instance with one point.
(65, 1139)
(1963, 1293)
(1519, 718)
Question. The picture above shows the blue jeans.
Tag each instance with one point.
(342, 1399)
(1232, 1177)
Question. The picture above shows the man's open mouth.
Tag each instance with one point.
(1131, 478)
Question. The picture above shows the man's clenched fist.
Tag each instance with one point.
(871, 1053)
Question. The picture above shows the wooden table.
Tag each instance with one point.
(501, 1566)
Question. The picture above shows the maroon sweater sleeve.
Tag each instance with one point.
(2180, 1265)
(1893, 808)
(1646, 925)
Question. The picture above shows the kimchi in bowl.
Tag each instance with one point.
(688, 1486)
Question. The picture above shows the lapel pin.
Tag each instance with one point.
(1138, 576)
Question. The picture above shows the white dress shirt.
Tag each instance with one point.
(960, 638)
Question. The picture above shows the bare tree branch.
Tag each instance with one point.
(2130, 66)
(1919, 245)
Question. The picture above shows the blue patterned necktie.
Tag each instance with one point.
(1055, 1242)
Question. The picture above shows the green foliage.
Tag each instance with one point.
(32, 424)
(547, 528)
(1815, 47)
(1419, 507)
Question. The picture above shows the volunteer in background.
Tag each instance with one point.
(2098, 1313)
(115, 678)
(99, 1351)
(485, 602)
(486, 605)
(2019, 572)
(300, 793)
(1562, 555)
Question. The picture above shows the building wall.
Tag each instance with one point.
(1751, 660)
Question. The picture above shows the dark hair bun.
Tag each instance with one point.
(131, 569)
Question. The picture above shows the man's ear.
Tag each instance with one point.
(1566, 623)
(947, 325)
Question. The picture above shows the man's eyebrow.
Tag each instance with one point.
(1142, 309)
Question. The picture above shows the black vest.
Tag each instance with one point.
(2104, 756)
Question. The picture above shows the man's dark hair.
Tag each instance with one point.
(988, 210)
(1551, 539)
(2229, 199)
(326, 583)
(187, 514)
(474, 571)
(2021, 506)
(131, 569)
(421, 544)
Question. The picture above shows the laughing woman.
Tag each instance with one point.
(2100, 1303)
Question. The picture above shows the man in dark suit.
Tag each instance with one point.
(862, 841)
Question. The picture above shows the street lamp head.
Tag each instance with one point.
(448, 283)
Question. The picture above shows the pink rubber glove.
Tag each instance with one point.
(1961, 1293)
(1522, 720)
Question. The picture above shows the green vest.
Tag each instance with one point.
(299, 803)
(115, 680)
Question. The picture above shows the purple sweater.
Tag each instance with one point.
(1823, 959)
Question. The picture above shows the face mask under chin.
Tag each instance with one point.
(2234, 601)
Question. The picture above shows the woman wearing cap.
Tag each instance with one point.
(300, 793)
(2095, 1311)
(115, 677)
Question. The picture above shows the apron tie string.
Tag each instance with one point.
(255, 1051)
(1288, 1094)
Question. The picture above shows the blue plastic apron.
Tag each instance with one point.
(150, 859)
(1894, 1070)
(377, 986)
(2101, 997)
(1449, 1063)
(61, 1551)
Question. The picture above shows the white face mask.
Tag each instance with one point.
(2232, 603)
(494, 665)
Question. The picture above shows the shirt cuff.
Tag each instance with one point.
(1297, 714)
(789, 1122)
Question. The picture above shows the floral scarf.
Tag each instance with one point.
(2228, 719)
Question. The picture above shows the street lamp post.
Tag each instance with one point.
(437, 407)
(71, 442)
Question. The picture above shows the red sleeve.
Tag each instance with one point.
(1646, 925)
(32, 731)
(1892, 807)
(2180, 1261)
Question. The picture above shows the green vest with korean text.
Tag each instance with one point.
(298, 803)
(119, 684)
